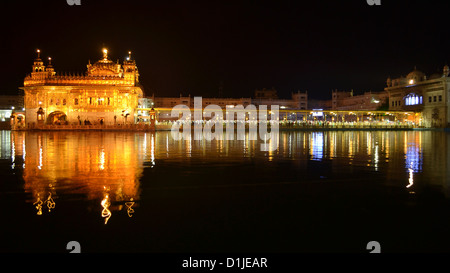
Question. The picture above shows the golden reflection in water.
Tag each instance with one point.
(411, 177)
(107, 166)
(82, 164)
(105, 203)
(129, 205)
(50, 203)
(38, 205)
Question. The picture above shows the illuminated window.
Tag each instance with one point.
(413, 99)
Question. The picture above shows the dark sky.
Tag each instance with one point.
(189, 47)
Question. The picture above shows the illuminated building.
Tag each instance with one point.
(264, 96)
(10, 106)
(170, 102)
(269, 97)
(107, 93)
(346, 100)
(419, 93)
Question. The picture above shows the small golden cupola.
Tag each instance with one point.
(50, 70)
(131, 73)
(38, 68)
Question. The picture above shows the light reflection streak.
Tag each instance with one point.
(376, 157)
(317, 145)
(144, 145)
(24, 153)
(413, 152)
(411, 177)
(40, 153)
(167, 144)
(152, 151)
(129, 205)
(13, 154)
(105, 203)
(102, 159)
(38, 204)
(50, 203)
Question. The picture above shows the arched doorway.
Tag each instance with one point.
(57, 117)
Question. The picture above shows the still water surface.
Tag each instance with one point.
(330, 191)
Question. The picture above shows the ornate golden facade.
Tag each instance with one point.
(107, 93)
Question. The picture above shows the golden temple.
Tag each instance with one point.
(107, 93)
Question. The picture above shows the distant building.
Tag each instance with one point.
(299, 100)
(419, 93)
(8, 104)
(346, 100)
(170, 102)
(144, 103)
(319, 104)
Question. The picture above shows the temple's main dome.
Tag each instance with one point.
(104, 67)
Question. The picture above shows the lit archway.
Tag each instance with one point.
(57, 117)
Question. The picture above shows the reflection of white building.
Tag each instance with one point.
(420, 93)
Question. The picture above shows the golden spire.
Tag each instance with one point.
(105, 53)
(38, 53)
(129, 56)
(49, 60)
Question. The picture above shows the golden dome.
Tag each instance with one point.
(105, 67)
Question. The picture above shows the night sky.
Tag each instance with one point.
(190, 47)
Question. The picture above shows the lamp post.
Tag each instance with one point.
(40, 116)
(13, 119)
(152, 119)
